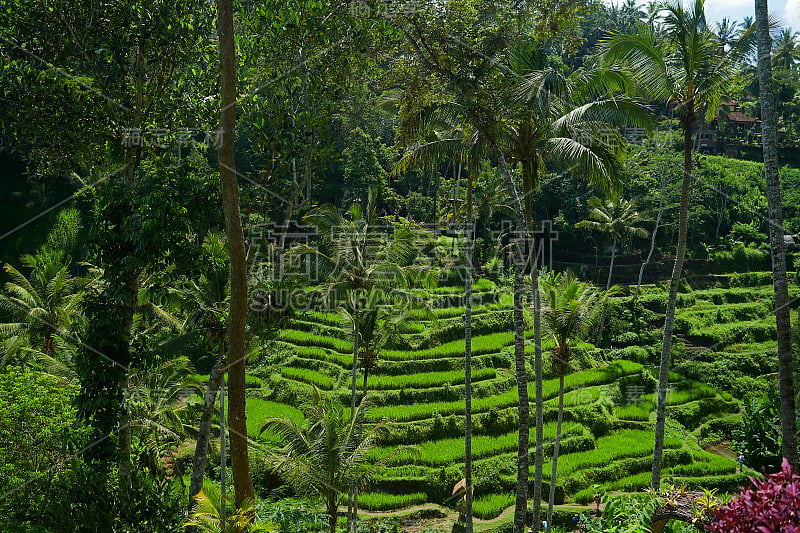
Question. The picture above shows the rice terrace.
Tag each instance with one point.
(405, 266)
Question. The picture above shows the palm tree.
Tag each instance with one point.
(726, 32)
(209, 296)
(570, 309)
(566, 122)
(156, 396)
(379, 323)
(358, 256)
(617, 217)
(208, 515)
(458, 141)
(779, 280)
(688, 69)
(785, 49)
(44, 303)
(319, 457)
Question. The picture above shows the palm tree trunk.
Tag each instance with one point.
(523, 443)
(125, 440)
(672, 300)
(552, 496)
(538, 459)
(352, 498)
(204, 432)
(223, 460)
(652, 244)
(779, 281)
(611, 266)
(468, 361)
(240, 462)
(333, 514)
(126, 418)
(539, 399)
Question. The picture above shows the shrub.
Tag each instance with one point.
(769, 505)
(39, 432)
(751, 279)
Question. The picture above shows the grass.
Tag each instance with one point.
(447, 451)
(492, 505)
(638, 411)
(321, 354)
(381, 501)
(258, 410)
(579, 396)
(312, 377)
(304, 338)
(697, 391)
(617, 459)
(482, 344)
(706, 465)
(627, 443)
(400, 413)
(329, 319)
(428, 379)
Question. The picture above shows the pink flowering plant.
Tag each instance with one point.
(769, 506)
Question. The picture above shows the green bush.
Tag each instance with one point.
(692, 414)
(741, 259)
(751, 279)
(39, 433)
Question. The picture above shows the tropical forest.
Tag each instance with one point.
(399, 266)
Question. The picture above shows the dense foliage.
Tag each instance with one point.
(363, 128)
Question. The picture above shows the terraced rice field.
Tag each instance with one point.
(418, 387)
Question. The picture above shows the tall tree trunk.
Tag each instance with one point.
(523, 443)
(333, 514)
(539, 399)
(126, 418)
(521, 251)
(672, 300)
(223, 458)
(530, 181)
(468, 359)
(779, 281)
(611, 266)
(556, 446)
(125, 440)
(204, 431)
(652, 242)
(240, 462)
(352, 499)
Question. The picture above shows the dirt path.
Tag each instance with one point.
(450, 517)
